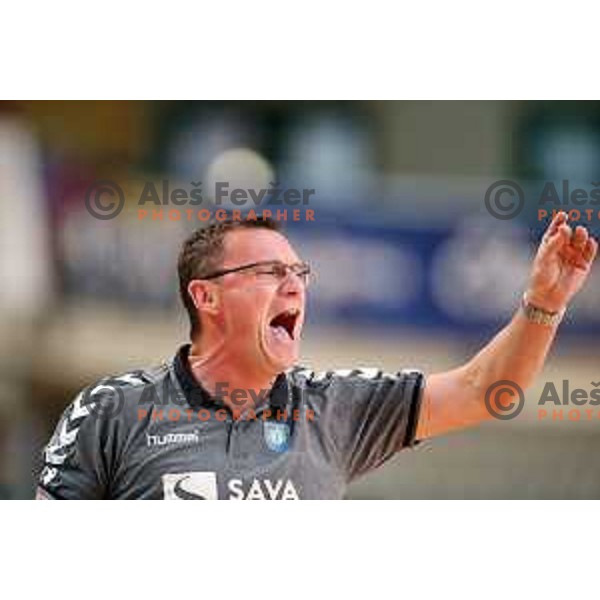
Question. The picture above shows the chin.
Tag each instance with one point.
(278, 356)
(282, 363)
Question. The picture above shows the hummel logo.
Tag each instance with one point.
(173, 438)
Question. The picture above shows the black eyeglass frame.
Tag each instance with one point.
(267, 263)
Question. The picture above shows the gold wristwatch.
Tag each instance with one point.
(539, 315)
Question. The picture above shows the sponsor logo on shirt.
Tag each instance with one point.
(190, 486)
(262, 489)
(173, 438)
(203, 486)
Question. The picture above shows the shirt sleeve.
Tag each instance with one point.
(370, 415)
(77, 460)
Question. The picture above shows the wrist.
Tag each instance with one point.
(541, 302)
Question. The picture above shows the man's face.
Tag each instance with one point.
(261, 316)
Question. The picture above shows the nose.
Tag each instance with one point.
(292, 284)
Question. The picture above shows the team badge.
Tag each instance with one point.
(277, 435)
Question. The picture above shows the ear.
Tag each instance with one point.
(205, 296)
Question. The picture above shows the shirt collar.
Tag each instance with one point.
(194, 393)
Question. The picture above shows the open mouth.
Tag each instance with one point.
(285, 322)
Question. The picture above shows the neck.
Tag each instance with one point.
(240, 387)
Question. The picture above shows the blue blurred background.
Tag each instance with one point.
(412, 269)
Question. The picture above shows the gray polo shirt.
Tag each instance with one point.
(157, 434)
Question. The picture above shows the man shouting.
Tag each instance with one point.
(232, 416)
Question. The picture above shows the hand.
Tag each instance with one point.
(561, 265)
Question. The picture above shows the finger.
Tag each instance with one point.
(580, 238)
(561, 237)
(565, 232)
(559, 221)
(560, 218)
(591, 247)
(556, 242)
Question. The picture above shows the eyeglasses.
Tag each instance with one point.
(271, 269)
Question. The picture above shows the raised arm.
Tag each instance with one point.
(455, 399)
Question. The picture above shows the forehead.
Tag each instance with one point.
(256, 245)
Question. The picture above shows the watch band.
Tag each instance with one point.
(539, 315)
